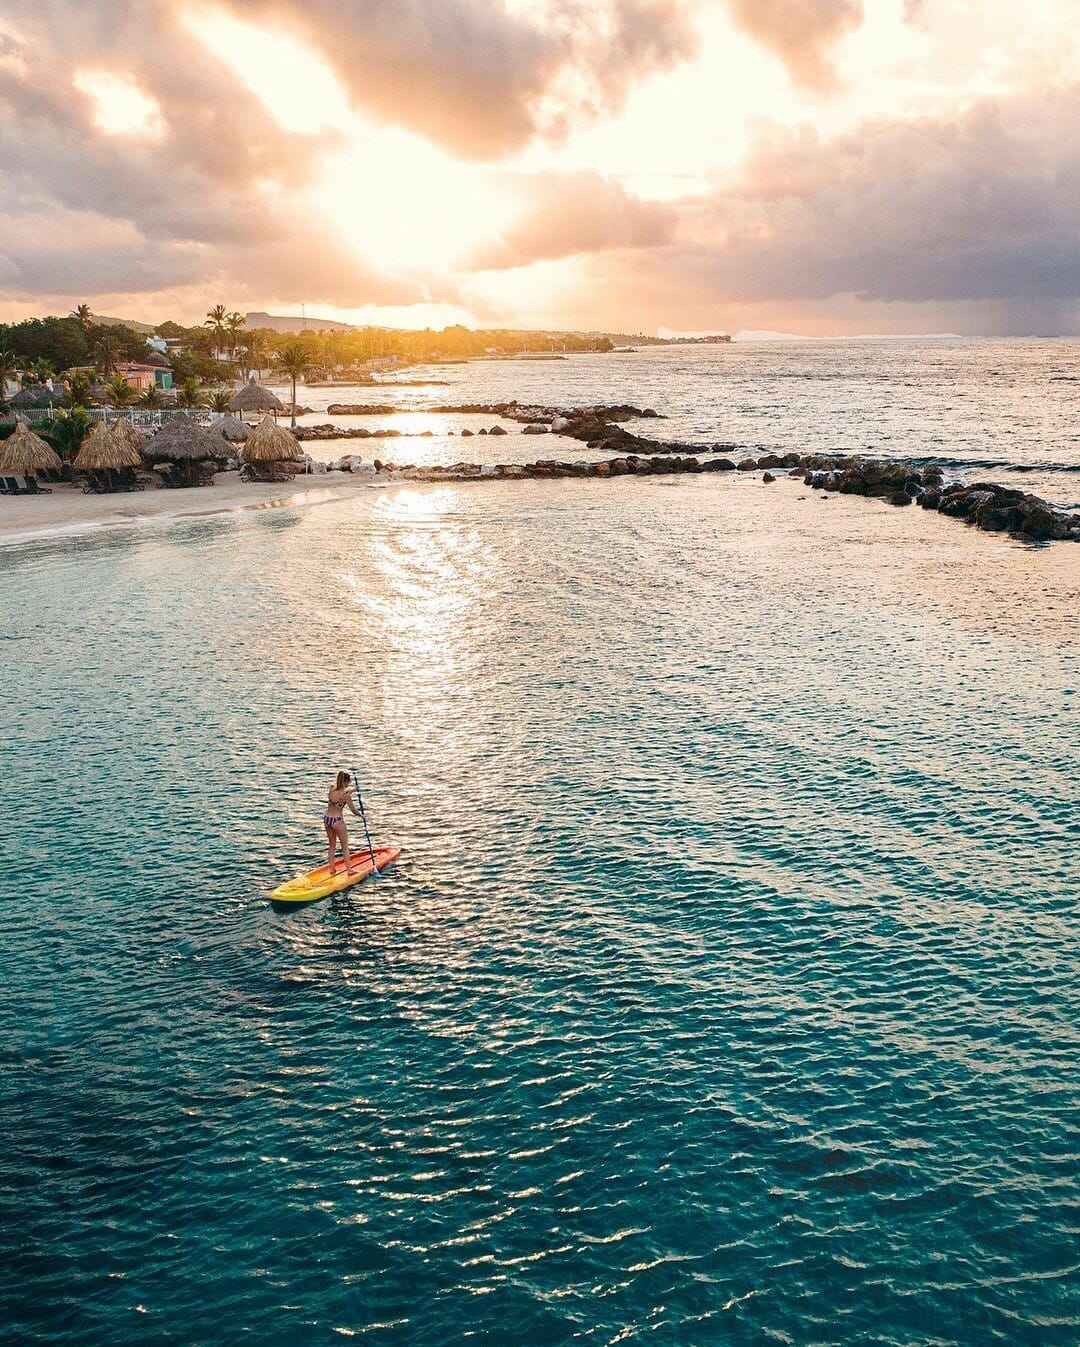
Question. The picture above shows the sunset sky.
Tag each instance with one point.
(810, 166)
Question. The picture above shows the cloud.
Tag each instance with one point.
(212, 198)
(799, 31)
(564, 214)
(480, 77)
(983, 207)
(969, 222)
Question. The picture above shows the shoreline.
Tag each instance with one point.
(68, 512)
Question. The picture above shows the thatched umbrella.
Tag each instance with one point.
(103, 450)
(254, 398)
(271, 443)
(230, 428)
(185, 443)
(27, 453)
(126, 433)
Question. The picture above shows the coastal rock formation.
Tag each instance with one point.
(987, 505)
(362, 409)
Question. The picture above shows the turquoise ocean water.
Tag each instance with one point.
(726, 989)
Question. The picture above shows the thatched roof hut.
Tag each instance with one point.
(230, 428)
(182, 440)
(35, 395)
(271, 443)
(103, 449)
(254, 398)
(27, 453)
(126, 433)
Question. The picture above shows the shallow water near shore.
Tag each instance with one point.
(725, 991)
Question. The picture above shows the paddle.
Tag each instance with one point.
(363, 816)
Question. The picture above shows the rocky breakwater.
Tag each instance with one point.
(987, 505)
(627, 465)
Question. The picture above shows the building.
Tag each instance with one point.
(152, 372)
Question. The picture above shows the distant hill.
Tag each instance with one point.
(146, 328)
(282, 323)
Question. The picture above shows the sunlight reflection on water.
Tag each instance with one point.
(729, 952)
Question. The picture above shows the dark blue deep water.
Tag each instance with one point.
(725, 992)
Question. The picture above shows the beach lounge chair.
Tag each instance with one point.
(12, 487)
(34, 488)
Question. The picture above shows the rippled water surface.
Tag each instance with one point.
(1009, 410)
(725, 990)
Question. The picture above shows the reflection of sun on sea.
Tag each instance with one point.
(433, 571)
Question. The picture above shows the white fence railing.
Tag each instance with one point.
(142, 417)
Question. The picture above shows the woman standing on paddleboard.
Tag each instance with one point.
(339, 797)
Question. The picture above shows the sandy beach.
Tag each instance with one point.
(69, 509)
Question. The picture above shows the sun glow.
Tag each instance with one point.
(120, 106)
(402, 203)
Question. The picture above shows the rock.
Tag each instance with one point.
(534, 428)
(618, 467)
(602, 470)
(720, 465)
(795, 472)
(497, 430)
(930, 498)
(963, 504)
(1039, 521)
(768, 477)
(770, 461)
(898, 498)
(559, 424)
(510, 470)
(466, 431)
(747, 465)
(791, 460)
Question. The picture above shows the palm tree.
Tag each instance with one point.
(256, 352)
(120, 391)
(234, 325)
(42, 370)
(83, 314)
(293, 360)
(68, 430)
(190, 394)
(79, 390)
(219, 400)
(105, 349)
(216, 320)
(152, 397)
(9, 368)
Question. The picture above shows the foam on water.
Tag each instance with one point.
(726, 989)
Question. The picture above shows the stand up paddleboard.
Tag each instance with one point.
(318, 883)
